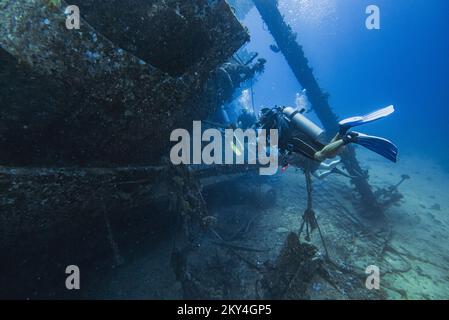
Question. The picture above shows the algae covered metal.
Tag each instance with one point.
(108, 104)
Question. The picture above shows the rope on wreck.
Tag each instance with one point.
(252, 95)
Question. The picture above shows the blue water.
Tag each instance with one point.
(405, 63)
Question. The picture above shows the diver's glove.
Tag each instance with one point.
(350, 137)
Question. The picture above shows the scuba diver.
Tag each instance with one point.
(247, 119)
(301, 144)
(301, 140)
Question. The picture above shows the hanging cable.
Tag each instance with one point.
(252, 96)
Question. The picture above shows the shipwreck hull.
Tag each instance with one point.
(86, 115)
(116, 108)
(38, 200)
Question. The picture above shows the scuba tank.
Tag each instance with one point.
(303, 124)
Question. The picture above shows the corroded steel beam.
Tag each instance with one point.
(294, 54)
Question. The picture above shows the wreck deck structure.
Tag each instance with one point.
(86, 113)
(115, 104)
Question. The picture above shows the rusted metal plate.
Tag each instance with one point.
(112, 107)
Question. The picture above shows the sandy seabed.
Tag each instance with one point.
(410, 243)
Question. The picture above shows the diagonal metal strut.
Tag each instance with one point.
(294, 54)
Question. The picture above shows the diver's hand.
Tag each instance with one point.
(350, 137)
